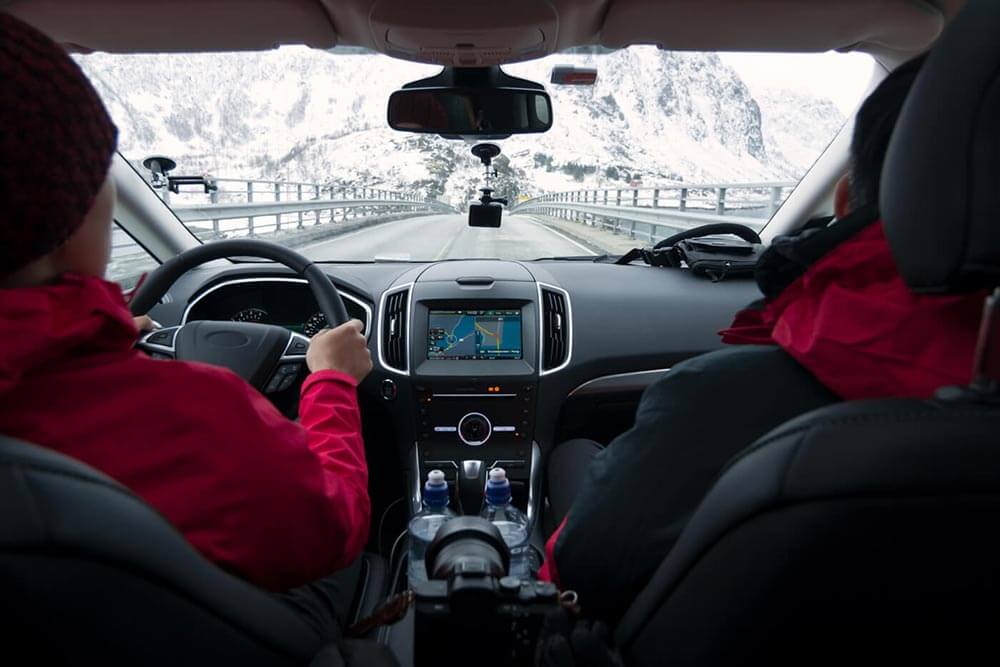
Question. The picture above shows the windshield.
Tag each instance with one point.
(292, 145)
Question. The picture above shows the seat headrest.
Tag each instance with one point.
(940, 193)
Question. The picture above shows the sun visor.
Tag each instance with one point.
(772, 25)
(154, 26)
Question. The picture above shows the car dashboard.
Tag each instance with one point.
(286, 302)
(478, 362)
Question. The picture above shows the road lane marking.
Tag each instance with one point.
(447, 247)
(560, 235)
(356, 232)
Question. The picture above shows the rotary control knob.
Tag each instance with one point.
(474, 429)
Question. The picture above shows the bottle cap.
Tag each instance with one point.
(497, 487)
(436, 489)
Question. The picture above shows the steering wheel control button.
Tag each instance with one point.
(164, 337)
(389, 390)
(298, 346)
(474, 429)
(283, 378)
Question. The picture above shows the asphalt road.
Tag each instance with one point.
(435, 237)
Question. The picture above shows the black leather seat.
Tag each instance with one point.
(90, 574)
(860, 530)
(868, 531)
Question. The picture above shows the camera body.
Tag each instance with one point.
(470, 611)
(502, 633)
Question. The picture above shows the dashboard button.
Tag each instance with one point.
(474, 429)
(389, 391)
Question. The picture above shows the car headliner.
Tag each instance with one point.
(477, 33)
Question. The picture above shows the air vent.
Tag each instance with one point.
(394, 330)
(555, 329)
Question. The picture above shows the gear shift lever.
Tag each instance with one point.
(471, 482)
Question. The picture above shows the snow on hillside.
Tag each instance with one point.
(653, 117)
(797, 139)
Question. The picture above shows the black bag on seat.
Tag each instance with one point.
(713, 258)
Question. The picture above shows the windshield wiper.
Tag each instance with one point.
(579, 258)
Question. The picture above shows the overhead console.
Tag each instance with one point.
(472, 339)
(463, 34)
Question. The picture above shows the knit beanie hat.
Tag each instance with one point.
(56, 144)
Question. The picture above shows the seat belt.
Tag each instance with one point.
(986, 371)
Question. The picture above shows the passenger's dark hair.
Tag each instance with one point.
(873, 127)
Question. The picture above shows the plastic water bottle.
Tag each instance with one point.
(426, 522)
(511, 522)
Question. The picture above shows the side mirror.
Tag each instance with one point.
(471, 102)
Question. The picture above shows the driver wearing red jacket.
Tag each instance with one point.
(278, 503)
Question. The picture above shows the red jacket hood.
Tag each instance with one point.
(60, 323)
(852, 321)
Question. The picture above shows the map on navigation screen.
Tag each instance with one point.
(474, 334)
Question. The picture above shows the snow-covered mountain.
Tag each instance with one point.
(653, 116)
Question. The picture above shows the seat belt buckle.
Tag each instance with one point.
(986, 369)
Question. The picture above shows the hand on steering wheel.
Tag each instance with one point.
(342, 349)
(267, 356)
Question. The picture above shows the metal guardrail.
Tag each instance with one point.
(255, 207)
(655, 213)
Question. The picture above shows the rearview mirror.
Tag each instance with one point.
(470, 112)
(471, 102)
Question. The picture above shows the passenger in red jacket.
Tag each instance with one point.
(278, 503)
(839, 323)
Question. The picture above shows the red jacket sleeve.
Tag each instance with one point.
(329, 412)
(278, 503)
(548, 572)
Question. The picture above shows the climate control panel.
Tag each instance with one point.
(475, 414)
(467, 427)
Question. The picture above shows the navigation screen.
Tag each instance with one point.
(474, 334)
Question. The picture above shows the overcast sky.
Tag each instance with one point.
(841, 77)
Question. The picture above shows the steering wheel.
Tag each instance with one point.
(267, 356)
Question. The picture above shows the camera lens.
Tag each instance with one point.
(469, 552)
(469, 546)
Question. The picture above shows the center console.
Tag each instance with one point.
(472, 357)
(474, 382)
(465, 346)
